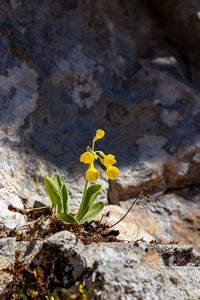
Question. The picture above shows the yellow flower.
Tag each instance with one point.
(87, 157)
(99, 134)
(112, 172)
(92, 173)
(109, 159)
(95, 156)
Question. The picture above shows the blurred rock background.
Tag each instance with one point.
(69, 67)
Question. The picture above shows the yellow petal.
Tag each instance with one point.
(109, 160)
(87, 158)
(95, 156)
(112, 172)
(92, 173)
(99, 134)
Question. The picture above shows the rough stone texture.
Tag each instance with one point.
(18, 98)
(174, 216)
(7, 252)
(7, 259)
(68, 68)
(181, 25)
(120, 270)
(10, 195)
(129, 228)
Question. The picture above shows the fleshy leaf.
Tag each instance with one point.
(66, 217)
(57, 180)
(53, 192)
(65, 199)
(91, 194)
(93, 212)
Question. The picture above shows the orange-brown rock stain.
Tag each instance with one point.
(146, 221)
(152, 257)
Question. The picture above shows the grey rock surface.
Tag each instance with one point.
(174, 216)
(67, 69)
(131, 68)
(10, 195)
(7, 252)
(7, 260)
(120, 270)
(181, 25)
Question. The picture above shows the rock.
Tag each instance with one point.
(129, 228)
(183, 167)
(179, 20)
(7, 252)
(7, 260)
(119, 270)
(154, 169)
(57, 89)
(173, 217)
(18, 98)
(68, 68)
(10, 195)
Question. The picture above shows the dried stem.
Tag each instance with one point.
(139, 197)
(25, 211)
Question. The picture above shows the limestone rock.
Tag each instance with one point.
(180, 21)
(119, 270)
(18, 95)
(10, 195)
(183, 167)
(7, 259)
(81, 68)
(129, 228)
(173, 217)
(68, 68)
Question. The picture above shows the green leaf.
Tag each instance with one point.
(66, 217)
(65, 199)
(22, 294)
(53, 192)
(57, 180)
(91, 194)
(93, 212)
(62, 189)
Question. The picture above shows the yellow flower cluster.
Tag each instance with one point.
(108, 161)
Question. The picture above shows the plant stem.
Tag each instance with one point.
(125, 213)
(85, 189)
(93, 142)
(83, 199)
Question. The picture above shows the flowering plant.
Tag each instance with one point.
(88, 210)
